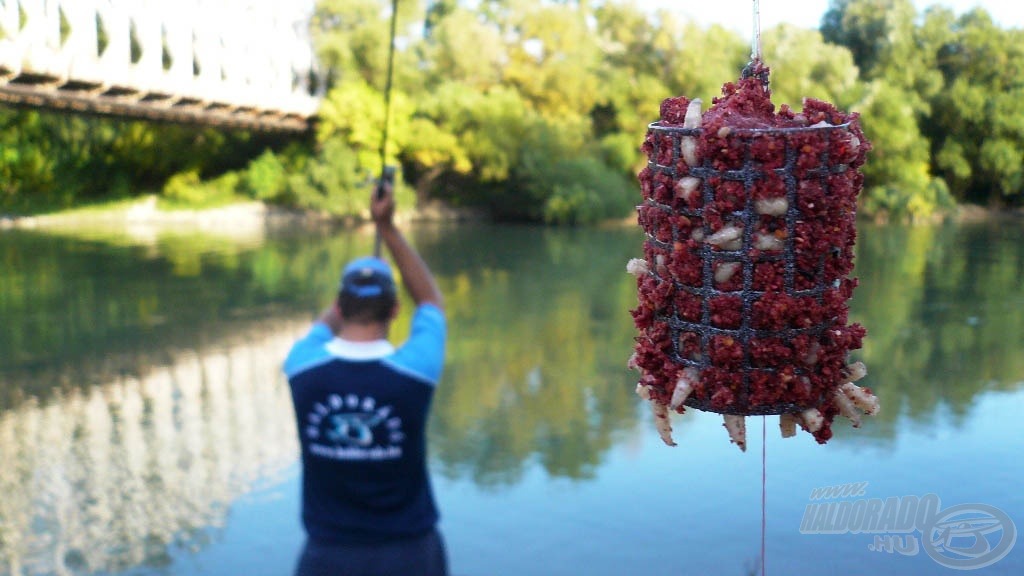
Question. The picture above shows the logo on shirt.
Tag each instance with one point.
(351, 427)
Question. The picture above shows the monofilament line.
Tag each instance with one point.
(764, 487)
(755, 48)
(387, 113)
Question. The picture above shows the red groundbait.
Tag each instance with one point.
(743, 288)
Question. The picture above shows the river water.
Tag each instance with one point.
(146, 429)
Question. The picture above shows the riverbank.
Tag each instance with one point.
(237, 220)
(241, 217)
(255, 218)
(975, 213)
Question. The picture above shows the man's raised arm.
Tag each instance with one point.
(416, 276)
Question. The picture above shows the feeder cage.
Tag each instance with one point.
(750, 223)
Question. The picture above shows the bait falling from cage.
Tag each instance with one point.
(742, 292)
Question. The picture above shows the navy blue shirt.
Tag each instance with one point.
(361, 410)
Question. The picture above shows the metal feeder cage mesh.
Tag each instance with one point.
(667, 143)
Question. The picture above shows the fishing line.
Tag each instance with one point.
(386, 174)
(764, 490)
(755, 47)
(755, 56)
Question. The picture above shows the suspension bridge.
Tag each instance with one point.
(233, 63)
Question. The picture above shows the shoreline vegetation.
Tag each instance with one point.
(536, 114)
(242, 218)
(249, 217)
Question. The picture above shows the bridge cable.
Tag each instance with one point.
(387, 174)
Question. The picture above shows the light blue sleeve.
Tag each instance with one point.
(422, 355)
(309, 351)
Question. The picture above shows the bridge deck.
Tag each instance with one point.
(232, 63)
(52, 94)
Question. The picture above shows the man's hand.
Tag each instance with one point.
(382, 207)
(415, 275)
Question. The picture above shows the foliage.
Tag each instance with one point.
(54, 161)
(898, 173)
(535, 110)
(188, 190)
(266, 177)
(952, 84)
(805, 66)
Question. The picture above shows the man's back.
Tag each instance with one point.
(361, 410)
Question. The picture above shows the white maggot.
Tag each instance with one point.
(856, 371)
(637, 267)
(688, 144)
(686, 187)
(861, 398)
(684, 386)
(768, 242)
(643, 391)
(737, 428)
(662, 422)
(659, 266)
(692, 118)
(771, 206)
(812, 419)
(726, 235)
(726, 271)
(787, 425)
(847, 407)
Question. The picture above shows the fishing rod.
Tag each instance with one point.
(387, 173)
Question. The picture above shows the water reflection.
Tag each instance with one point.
(943, 307)
(110, 476)
(79, 311)
(540, 332)
(141, 390)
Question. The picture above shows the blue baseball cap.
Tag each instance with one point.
(367, 277)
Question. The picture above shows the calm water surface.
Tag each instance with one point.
(145, 427)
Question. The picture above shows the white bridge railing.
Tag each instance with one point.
(245, 63)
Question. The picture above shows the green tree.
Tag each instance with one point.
(880, 35)
(554, 58)
(877, 32)
(535, 110)
(351, 39)
(697, 71)
(977, 128)
(960, 78)
(461, 48)
(55, 160)
(803, 65)
(899, 181)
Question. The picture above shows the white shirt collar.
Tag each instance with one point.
(349, 350)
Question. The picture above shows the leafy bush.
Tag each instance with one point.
(583, 191)
(185, 188)
(893, 202)
(188, 190)
(266, 178)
